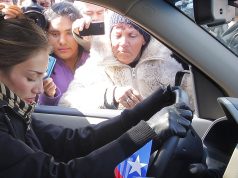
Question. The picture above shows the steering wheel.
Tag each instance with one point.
(163, 156)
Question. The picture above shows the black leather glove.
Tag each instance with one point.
(200, 170)
(170, 121)
(148, 107)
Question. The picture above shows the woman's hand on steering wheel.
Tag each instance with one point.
(171, 121)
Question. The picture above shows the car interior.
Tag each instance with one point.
(213, 138)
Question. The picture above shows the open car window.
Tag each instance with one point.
(155, 66)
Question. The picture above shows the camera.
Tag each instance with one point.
(35, 12)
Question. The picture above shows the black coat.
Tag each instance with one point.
(47, 151)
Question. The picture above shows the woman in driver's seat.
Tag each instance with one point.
(33, 149)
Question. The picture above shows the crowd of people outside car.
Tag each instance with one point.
(32, 148)
(125, 65)
(69, 53)
(124, 69)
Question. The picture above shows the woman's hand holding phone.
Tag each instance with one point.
(50, 67)
(49, 87)
(48, 83)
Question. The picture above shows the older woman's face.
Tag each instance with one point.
(126, 43)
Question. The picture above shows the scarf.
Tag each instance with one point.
(16, 104)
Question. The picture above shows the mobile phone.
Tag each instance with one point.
(95, 28)
(50, 67)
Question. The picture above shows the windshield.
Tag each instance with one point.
(226, 32)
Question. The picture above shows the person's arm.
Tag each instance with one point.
(19, 160)
(51, 137)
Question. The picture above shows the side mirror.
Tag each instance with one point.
(213, 12)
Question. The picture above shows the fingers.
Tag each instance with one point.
(88, 20)
(181, 121)
(188, 114)
(15, 7)
(137, 95)
(184, 110)
(129, 97)
(179, 131)
(182, 105)
(127, 102)
(80, 24)
(184, 122)
(12, 11)
(49, 87)
(183, 118)
(133, 95)
(179, 126)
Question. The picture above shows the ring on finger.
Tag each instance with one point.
(128, 100)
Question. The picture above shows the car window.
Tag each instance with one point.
(226, 33)
(126, 59)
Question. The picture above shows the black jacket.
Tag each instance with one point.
(47, 151)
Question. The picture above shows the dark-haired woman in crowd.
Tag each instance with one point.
(68, 53)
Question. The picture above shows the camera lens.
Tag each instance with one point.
(38, 18)
(35, 12)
